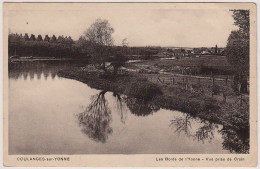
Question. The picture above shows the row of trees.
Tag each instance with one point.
(41, 47)
(62, 47)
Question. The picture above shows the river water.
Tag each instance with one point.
(49, 114)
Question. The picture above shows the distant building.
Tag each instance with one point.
(180, 52)
(205, 52)
(221, 51)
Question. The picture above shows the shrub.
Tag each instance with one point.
(216, 89)
(211, 105)
(143, 89)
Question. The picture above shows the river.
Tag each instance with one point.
(49, 114)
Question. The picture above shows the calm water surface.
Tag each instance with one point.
(53, 115)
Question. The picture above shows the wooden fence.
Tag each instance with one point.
(173, 79)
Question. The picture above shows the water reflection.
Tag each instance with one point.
(206, 132)
(141, 107)
(31, 74)
(182, 124)
(53, 75)
(95, 120)
(38, 73)
(234, 141)
(39, 68)
(121, 107)
(25, 75)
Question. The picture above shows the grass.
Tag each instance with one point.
(213, 61)
(204, 65)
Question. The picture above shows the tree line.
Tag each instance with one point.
(39, 46)
(65, 47)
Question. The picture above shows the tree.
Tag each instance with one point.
(68, 40)
(124, 42)
(14, 41)
(26, 37)
(61, 39)
(99, 34)
(117, 61)
(81, 47)
(47, 38)
(241, 18)
(32, 37)
(53, 38)
(39, 38)
(237, 49)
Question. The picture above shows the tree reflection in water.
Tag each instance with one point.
(121, 107)
(25, 75)
(206, 132)
(182, 124)
(235, 142)
(141, 107)
(39, 74)
(96, 119)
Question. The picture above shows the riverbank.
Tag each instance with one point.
(173, 98)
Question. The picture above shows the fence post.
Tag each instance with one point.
(241, 99)
(239, 90)
(224, 97)
(186, 85)
(213, 80)
(226, 80)
(173, 80)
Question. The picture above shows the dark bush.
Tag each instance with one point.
(211, 106)
(142, 89)
(216, 89)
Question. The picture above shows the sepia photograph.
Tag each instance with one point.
(129, 79)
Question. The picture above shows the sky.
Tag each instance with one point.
(142, 27)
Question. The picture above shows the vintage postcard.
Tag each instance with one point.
(130, 84)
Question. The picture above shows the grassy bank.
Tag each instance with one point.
(173, 98)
